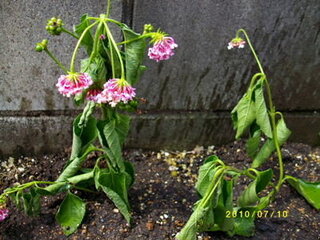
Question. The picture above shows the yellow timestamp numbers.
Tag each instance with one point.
(259, 214)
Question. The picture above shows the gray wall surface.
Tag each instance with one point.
(189, 96)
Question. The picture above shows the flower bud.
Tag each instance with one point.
(148, 28)
(54, 26)
(41, 45)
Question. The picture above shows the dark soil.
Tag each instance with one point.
(162, 197)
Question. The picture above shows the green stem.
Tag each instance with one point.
(214, 184)
(56, 60)
(108, 7)
(96, 42)
(78, 45)
(135, 39)
(251, 47)
(275, 135)
(26, 185)
(111, 39)
(70, 33)
(272, 111)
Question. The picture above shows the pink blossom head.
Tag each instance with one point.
(162, 48)
(116, 91)
(236, 43)
(73, 83)
(4, 213)
(93, 94)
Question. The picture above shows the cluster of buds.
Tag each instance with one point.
(54, 26)
(236, 43)
(41, 45)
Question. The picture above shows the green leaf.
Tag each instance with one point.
(244, 226)
(111, 138)
(134, 54)
(225, 204)
(130, 170)
(189, 231)
(268, 148)
(252, 145)
(71, 213)
(206, 174)
(249, 197)
(262, 117)
(87, 39)
(115, 185)
(84, 133)
(243, 114)
(96, 68)
(309, 190)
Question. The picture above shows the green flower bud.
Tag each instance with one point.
(41, 45)
(54, 26)
(148, 28)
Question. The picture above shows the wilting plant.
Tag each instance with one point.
(104, 81)
(216, 210)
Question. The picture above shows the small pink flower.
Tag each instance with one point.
(115, 91)
(73, 83)
(93, 95)
(4, 213)
(102, 37)
(236, 43)
(162, 49)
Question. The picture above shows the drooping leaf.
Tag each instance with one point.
(206, 174)
(225, 204)
(262, 117)
(115, 185)
(268, 148)
(84, 132)
(309, 190)
(134, 54)
(249, 197)
(202, 218)
(79, 29)
(252, 145)
(112, 134)
(244, 226)
(71, 213)
(243, 114)
(189, 231)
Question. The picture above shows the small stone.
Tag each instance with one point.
(116, 210)
(150, 225)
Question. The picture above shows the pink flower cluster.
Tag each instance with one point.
(73, 83)
(93, 95)
(236, 43)
(162, 49)
(116, 91)
(4, 213)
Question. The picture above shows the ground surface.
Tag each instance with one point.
(161, 198)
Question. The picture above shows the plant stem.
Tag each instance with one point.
(56, 60)
(78, 45)
(272, 112)
(214, 184)
(95, 47)
(251, 47)
(111, 39)
(135, 39)
(70, 33)
(108, 7)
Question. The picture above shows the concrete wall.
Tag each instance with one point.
(189, 96)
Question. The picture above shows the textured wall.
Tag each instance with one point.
(189, 96)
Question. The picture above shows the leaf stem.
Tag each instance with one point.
(111, 39)
(56, 60)
(272, 112)
(78, 45)
(108, 7)
(70, 33)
